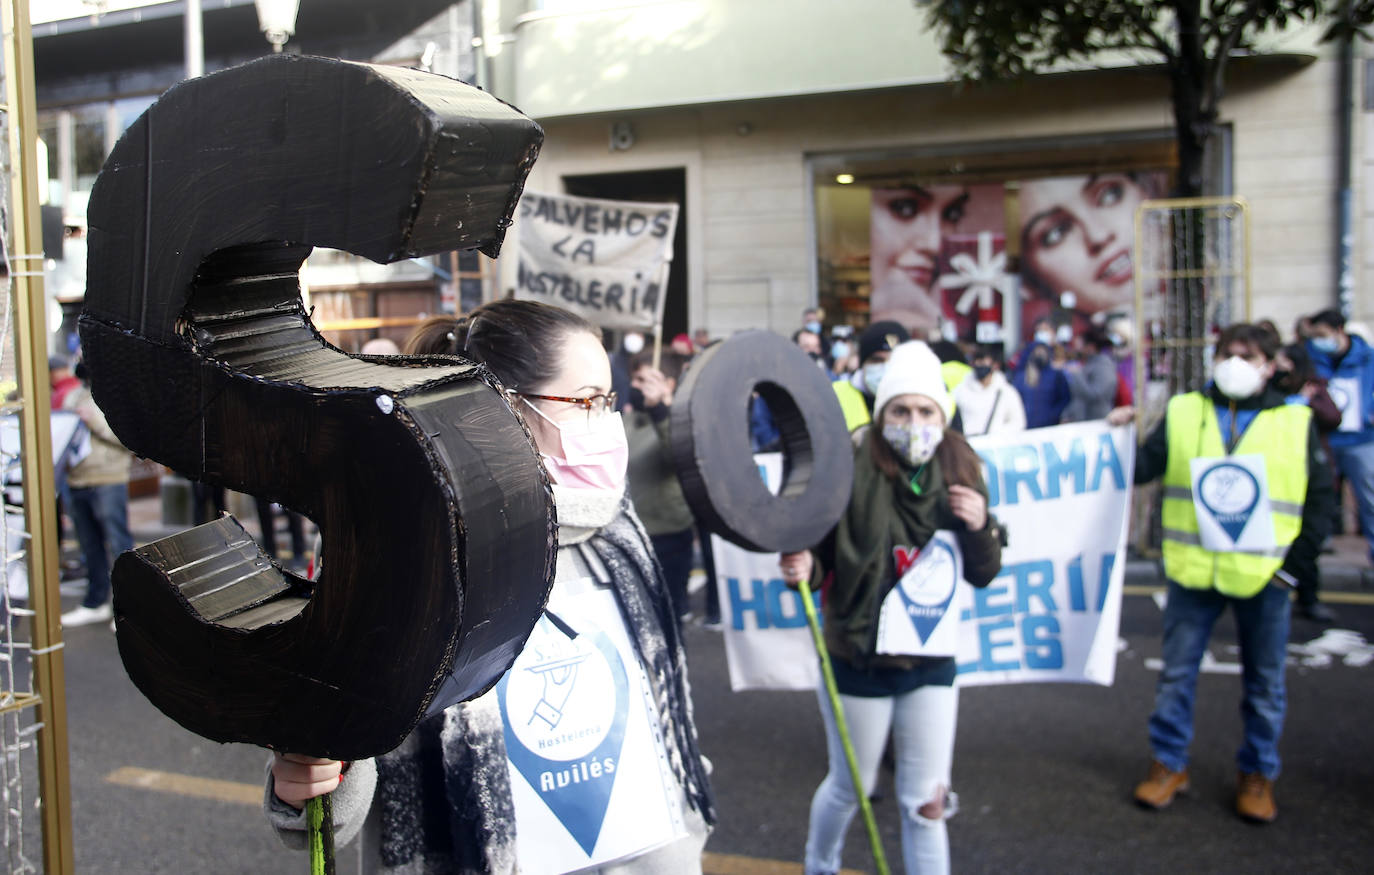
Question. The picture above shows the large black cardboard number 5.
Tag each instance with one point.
(437, 519)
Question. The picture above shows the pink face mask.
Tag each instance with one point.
(594, 452)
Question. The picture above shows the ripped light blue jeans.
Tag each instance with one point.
(922, 725)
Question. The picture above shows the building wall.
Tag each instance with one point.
(575, 57)
(594, 56)
(1284, 156)
(751, 243)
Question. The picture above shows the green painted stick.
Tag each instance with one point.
(319, 814)
(874, 840)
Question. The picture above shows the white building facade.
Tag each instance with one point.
(765, 110)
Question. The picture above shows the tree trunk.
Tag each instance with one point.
(1186, 294)
(1188, 80)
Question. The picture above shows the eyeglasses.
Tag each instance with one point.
(594, 404)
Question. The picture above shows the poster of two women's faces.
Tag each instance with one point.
(932, 247)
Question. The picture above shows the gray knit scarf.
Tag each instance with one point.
(444, 795)
(623, 546)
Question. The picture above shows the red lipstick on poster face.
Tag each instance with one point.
(920, 276)
(1116, 269)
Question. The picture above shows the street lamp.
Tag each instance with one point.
(277, 20)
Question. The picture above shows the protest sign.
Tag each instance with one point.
(1052, 614)
(917, 617)
(607, 260)
(767, 644)
(590, 779)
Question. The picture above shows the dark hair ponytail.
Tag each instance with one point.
(517, 340)
(959, 463)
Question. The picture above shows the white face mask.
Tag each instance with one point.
(1044, 336)
(1237, 378)
(914, 444)
(873, 375)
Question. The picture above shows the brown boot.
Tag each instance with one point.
(1255, 798)
(1162, 785)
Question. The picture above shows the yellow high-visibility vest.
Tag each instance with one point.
(853, 404)
(1279, 434)
(953, 373)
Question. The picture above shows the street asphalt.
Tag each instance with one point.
(1043, 772)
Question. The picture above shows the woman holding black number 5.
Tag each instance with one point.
(584, 756)
(917, 523)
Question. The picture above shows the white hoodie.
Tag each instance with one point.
(992, 409)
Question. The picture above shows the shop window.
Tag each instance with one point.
(88, 145)
(979, 246)
(48, 137)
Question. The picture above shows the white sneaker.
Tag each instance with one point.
(84, 616)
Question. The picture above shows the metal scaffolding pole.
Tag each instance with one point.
(40, 499)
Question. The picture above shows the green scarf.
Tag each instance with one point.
(882, 512)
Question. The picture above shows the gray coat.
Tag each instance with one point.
(1092, 389)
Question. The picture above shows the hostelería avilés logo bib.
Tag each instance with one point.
(565, 702)
(928, 586)
(1229, 492)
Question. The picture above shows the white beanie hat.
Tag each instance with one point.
(913, 369)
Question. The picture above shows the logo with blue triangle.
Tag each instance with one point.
(1229, 493)
(565, 703)
(928, 585)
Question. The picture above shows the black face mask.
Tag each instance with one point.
(635, 399)
(982, 371)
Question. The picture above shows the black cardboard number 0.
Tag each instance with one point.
(436, 517)
(714, 459)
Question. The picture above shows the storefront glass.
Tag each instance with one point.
(983, 242)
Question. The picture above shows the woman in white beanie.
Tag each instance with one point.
(917, 513)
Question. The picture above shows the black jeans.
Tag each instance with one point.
(674, 551)
(708, 559)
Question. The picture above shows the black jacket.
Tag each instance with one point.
(1301, 561)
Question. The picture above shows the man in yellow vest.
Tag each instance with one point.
(856, 393)
(1247, 497)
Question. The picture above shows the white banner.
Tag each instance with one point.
(767, 643)
(1052, 614)
(607, 260)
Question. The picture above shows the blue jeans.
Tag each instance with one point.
(1357, 466)
(1262, 622)
(101, 517)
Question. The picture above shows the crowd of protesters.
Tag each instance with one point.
(1055, 377)
(909, 404)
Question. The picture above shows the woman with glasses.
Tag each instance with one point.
(498, 773)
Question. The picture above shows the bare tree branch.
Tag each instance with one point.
(1145, 26)
(1216, 85)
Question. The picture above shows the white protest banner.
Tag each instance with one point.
(607, 260)
(1054, 612)
(590, 780)
(767, 643)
